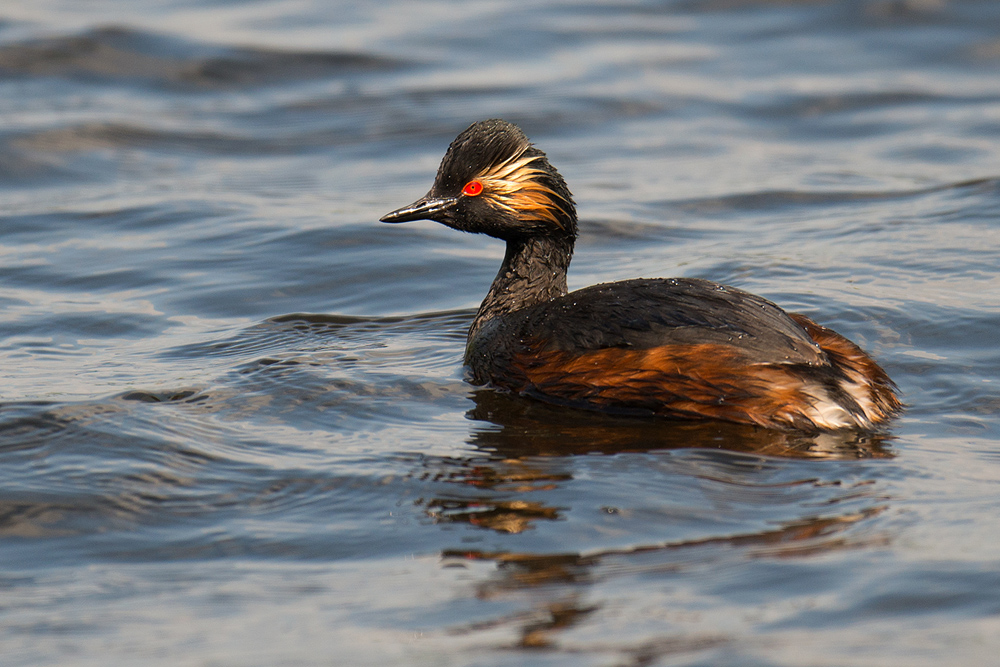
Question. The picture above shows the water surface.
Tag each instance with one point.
(234, 425)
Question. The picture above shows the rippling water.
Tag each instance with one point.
(234, 426)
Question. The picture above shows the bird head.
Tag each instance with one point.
(493, 181)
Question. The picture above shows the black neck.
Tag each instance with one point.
(533, 271)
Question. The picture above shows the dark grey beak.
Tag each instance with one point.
(425, 208)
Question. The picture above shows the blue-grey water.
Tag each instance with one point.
(234, 425)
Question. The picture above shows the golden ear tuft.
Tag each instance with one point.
(513, 185)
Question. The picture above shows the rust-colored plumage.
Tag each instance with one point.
(693, 381)
(705, 380)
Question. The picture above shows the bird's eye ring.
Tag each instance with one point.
(472, 188)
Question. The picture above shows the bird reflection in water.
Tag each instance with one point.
(557, 583)
(526, 447)
(516, 433)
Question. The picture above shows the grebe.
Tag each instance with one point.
(676, 347)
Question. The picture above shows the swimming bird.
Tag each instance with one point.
(674, 347)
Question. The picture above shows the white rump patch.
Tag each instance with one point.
(829, 414)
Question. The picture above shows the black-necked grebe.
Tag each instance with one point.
(677, 347)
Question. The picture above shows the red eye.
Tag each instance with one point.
(472, 188)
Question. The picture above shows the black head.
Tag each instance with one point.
(493, 181)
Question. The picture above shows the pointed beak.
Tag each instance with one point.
(425, 208)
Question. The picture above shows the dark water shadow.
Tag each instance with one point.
(775, 200)
(117, 53)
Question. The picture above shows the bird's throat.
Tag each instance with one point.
(533, 271)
